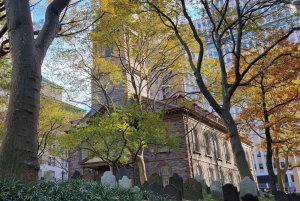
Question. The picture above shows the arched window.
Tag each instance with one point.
(216, 146)
(199, 171)
(207, 144)
(231, 178)
(195, 140)
(211, 175)
(226, 150)
(222, 178)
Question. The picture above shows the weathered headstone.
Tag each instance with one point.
(88, 175)
(249, 197)
(108, 179)
(192, 189)
(135, 189)
(145, 185)
(97, 178)
(295, 197)
(176, 180)
(230, 193)
(123, 171)
(154, 189)
(281, 196)
(173, 192)
(203, 185)
(247, 186)
(156, 178)
(125, 183)
(216, 191)
(207, 189)
(261, 193)
(76, 175)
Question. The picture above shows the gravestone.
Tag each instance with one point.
(145, 185)
(173, 192)
(154, 189)
(261, 193)
(203, 185)
(156, 178)
(192, 189)
(76, 175)
(177, 181)
(125, 183)
(295, 197)
(281, 196)
(230, 193)
(135, 189)
(97, 178)
(108, 179)
(249, 197)
(88, 175)
(247, 186)
(207, 189)
(123, 171)
(216, 191)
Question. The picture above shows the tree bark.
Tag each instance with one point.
(18, 152)
(141, 165)
(236, 146)
(269, 161)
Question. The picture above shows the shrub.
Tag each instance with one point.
(71, 190)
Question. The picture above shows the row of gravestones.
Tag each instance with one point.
(191, 189)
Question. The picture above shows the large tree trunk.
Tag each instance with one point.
(141, 165)
(269, 161)
(18, 153)
(236, 146)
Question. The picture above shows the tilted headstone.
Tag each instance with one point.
(125, 183)
(156, 178)
(123, 171)
(295, 197)
(108, 179)
(177, 181)
(76, 175)
(216, 191)
(247, 186)
(203, 185)
(145, 185)
(281, 196)
(192, 189)
(154, 189)
(88, 175)
(230, 193)
(135, 189)
(173, 192)
(249, 197)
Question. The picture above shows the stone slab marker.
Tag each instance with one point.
(145, 185)
(295, 197)
(108, 179)
(281, 196)
(230, 193)
(192, 189)
(125, 182)
(76, 175)
(249, 197)
(216, 191)
(203, 185)
(123, 171)
(177, 181)
(247, 186)
(154, 189)
(173, 192)
(88, 175)
(156, 178)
